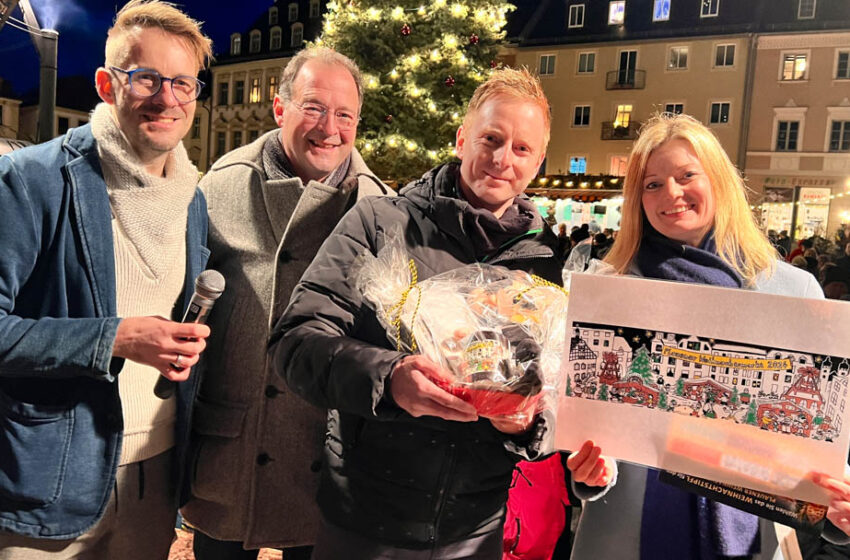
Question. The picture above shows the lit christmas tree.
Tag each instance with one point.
(421, 61)
(640, 365)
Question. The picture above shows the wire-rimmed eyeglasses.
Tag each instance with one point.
(145, 82)
(313, 112)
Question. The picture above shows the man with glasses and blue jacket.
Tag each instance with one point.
(257, 447)
(102, 233)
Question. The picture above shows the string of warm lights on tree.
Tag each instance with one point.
(421, 61)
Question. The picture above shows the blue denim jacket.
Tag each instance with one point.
(60, 413)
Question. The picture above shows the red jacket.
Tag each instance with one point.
(536, 515)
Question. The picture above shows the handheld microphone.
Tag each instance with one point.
(209, 285)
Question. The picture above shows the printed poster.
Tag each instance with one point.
(728, 385)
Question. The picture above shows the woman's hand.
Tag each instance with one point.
(839, 504)
(588, 466)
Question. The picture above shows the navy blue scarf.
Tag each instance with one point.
(678, 524)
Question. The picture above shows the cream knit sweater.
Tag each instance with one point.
(149, 239)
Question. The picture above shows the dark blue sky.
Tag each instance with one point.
(82, 26)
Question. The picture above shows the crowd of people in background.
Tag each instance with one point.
(828, 260)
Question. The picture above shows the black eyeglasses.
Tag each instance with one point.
(147, 83)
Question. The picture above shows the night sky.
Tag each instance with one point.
(82, 26)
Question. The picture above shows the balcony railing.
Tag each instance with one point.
(625, 79)
(612, 132)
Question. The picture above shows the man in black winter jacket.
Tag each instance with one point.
(410, 470)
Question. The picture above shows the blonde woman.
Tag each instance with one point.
(686, 218)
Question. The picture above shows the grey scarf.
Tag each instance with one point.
(277, 166)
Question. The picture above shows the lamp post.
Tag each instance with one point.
(46, 42)
(6, 7)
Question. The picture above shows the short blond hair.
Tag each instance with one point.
(740, 243)
(143, 14)
(512, 82)
(324, 55)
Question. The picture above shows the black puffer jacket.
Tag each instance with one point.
(413, 482)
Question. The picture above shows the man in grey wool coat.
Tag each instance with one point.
(257, 447)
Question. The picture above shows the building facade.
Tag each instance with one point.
(244, 79)
(749, 70)
(798, 154)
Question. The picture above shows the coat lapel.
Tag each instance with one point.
(93, 220)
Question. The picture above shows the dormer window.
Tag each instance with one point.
(275, 39)
(293, 12)
(297, 35)
(273, 15)
(235, 44)
(256, 37)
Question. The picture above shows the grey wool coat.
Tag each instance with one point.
(257, 447)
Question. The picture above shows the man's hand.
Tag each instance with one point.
(413, 388)
(839, 504)
(589, 467)
(157, 342)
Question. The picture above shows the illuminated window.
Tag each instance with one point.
(661, 10)
(255, 96)
(576, 16)
(586, 63)
(624, 116)
(618, 165)
(578, 164)
(617, 12)
(273, 86)
(678, 59)
(794, 67)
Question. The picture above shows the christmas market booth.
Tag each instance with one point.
(577, 199)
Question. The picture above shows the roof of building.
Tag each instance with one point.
(312, 27)
(549, 23)
(72, 92)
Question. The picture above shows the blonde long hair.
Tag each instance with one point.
(740, 243)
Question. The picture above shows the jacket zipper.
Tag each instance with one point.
(510, 242)
(441, 493)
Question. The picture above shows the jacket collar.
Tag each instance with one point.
(436, 195)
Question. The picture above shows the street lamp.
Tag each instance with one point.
(6, 7)
(46, 42)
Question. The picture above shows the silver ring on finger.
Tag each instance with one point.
(177, 361)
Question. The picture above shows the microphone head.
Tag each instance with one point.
(209, 284)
